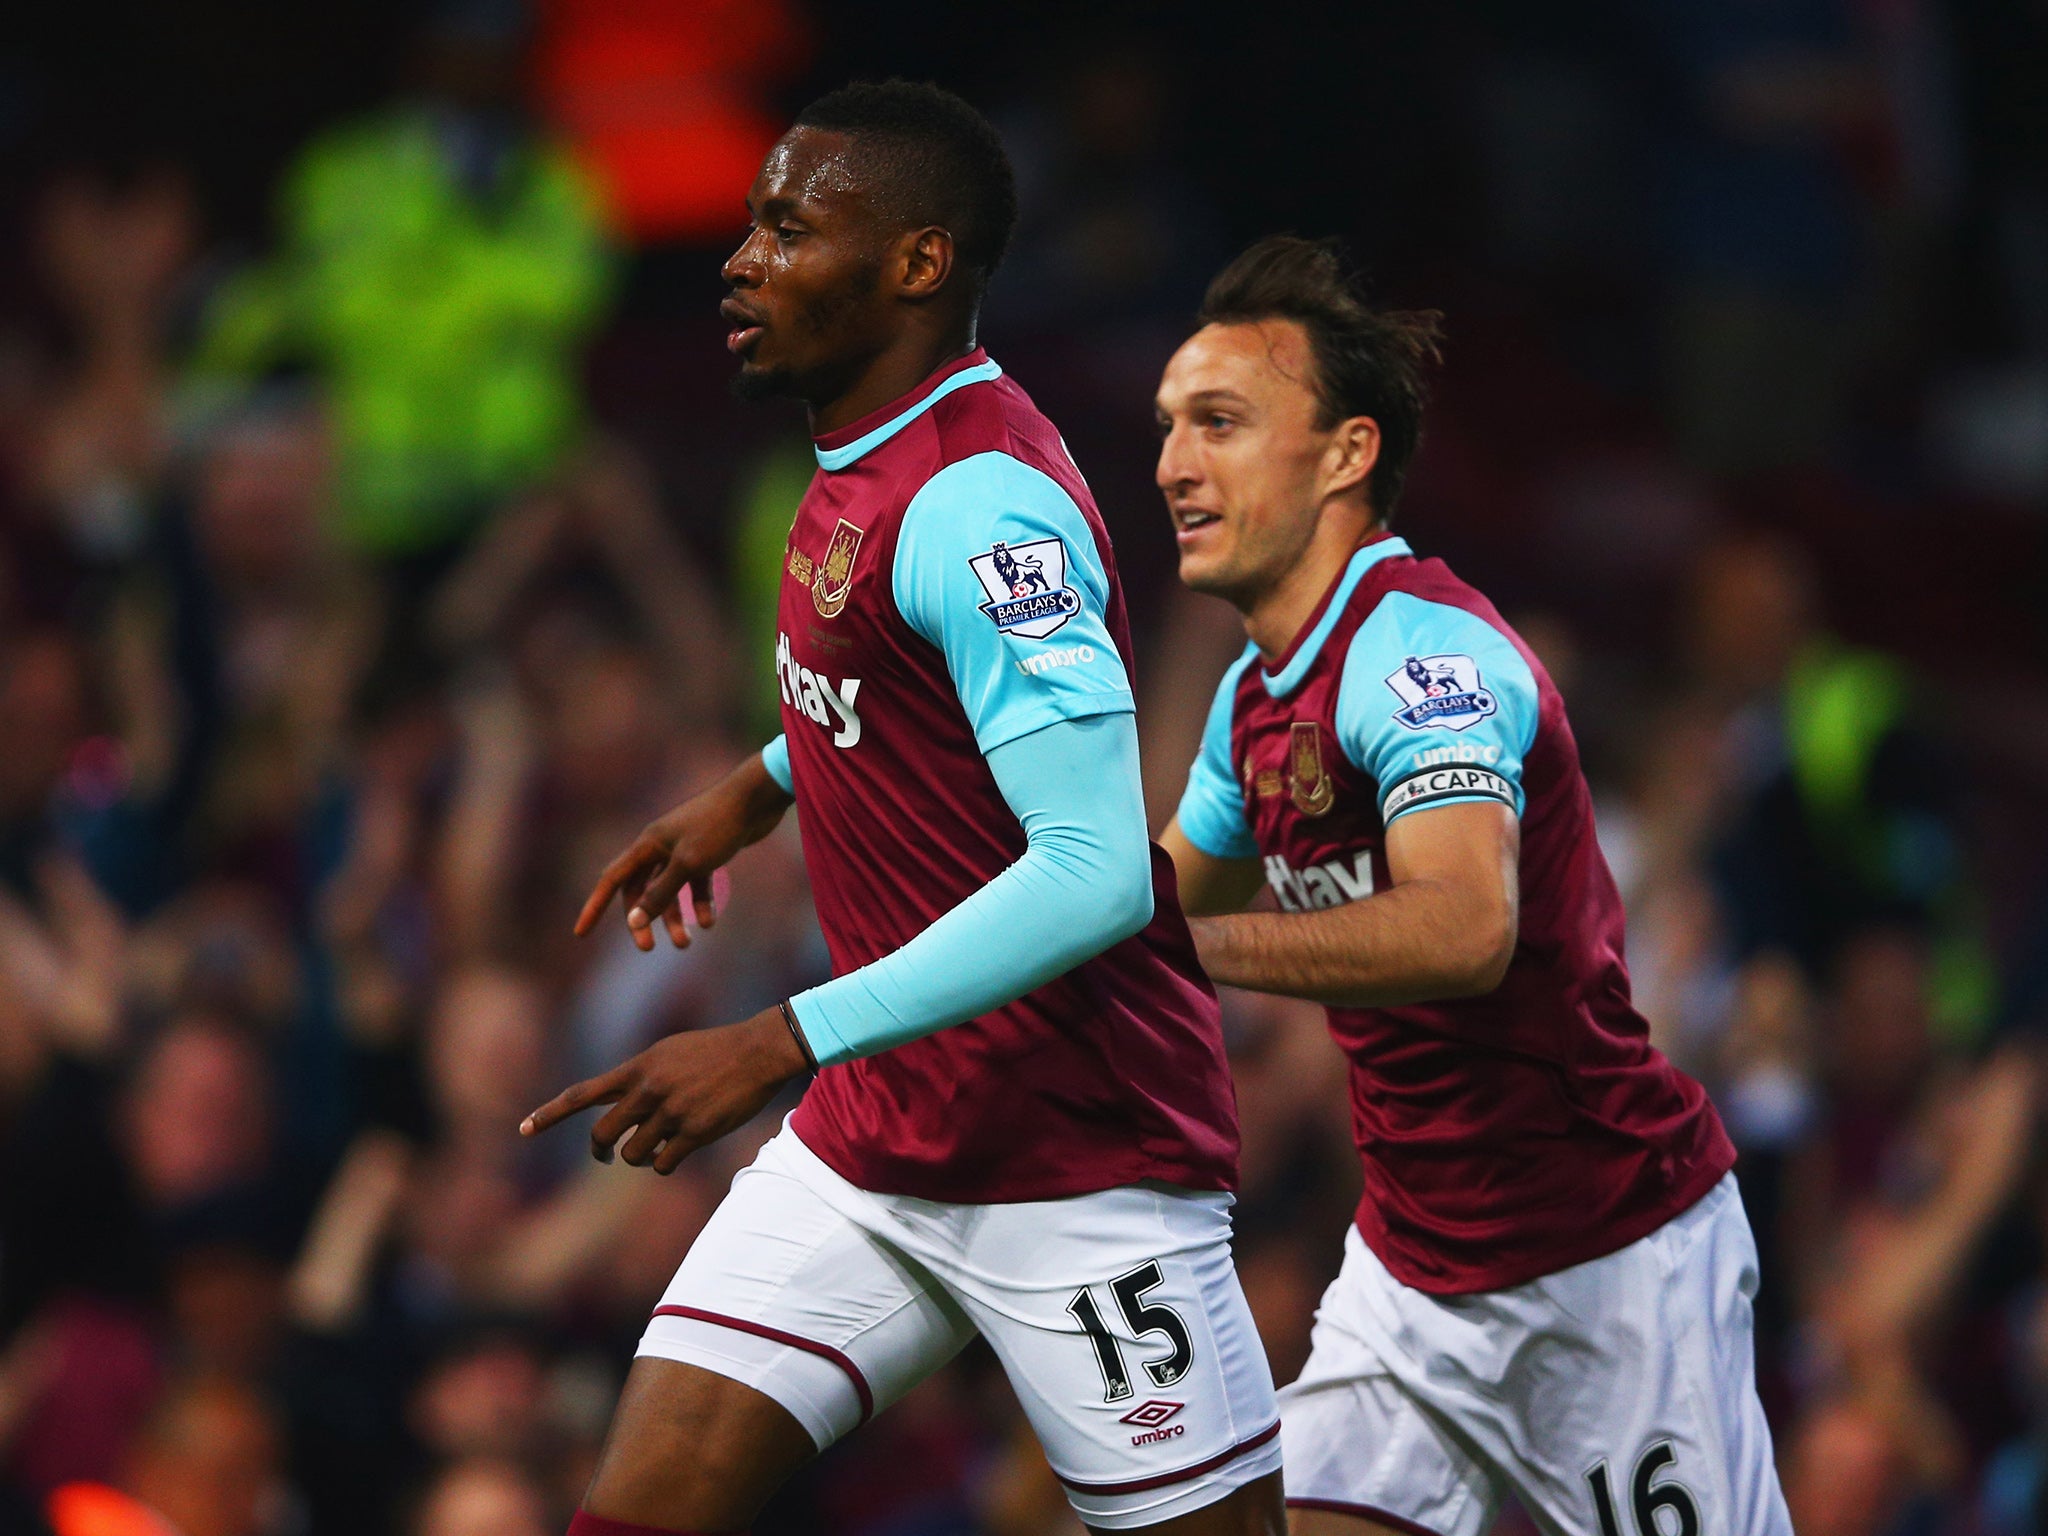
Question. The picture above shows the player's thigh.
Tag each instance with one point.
(1638, 1414)
(785, 1299)
(1363, 1451)
(1120, 1323)
(692, 1450)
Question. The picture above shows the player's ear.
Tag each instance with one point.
(926, 262)
(1354, 449)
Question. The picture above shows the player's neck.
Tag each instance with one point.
(1276, 617)
(890, 375)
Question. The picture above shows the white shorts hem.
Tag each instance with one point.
(817, 1392)
(1123, 1507)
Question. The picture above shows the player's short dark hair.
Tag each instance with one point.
(1368, 362)
(940, 162)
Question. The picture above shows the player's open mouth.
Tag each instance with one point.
(1188, 521)
(746, 326)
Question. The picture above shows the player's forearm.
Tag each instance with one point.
(1083, 884)
(1209, 886)
(1422, 941)
(760, 794)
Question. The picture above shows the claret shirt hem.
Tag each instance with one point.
(1409, 1262)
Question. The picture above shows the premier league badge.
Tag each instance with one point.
(1027, 587)
(1309, 783)
(833, 582)
(1440, 691)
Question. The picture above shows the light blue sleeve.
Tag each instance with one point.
(995, 566)
(775, 758)
(1212, 807)
(1437, 705)
(1083, 883)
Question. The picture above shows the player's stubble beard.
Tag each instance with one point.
(816, 317)
(1258, 561)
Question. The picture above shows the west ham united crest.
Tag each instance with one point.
(1027, 587)
(833, 582)
(1308, 782)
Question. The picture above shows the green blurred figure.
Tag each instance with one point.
(438, 267)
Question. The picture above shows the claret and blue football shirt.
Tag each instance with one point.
(948, 590)
(1507, 1136)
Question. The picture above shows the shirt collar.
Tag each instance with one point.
(838, 449)
(1301, 655)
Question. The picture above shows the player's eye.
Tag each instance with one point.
(1218, 422)
(787, 233)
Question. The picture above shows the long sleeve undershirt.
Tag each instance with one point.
(1050, 705)
(1083, 884)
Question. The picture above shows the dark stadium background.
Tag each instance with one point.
(354, 607)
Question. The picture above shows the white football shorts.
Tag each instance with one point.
(1614, 1398)
(1117, 1317)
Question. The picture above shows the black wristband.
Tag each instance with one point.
(796, 1033)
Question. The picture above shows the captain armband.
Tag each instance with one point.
(1448, 781)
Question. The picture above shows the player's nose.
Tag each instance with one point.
(1178, 467)
(742, 268)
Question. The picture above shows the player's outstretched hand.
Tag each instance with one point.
(685, 848)
(682, 1092)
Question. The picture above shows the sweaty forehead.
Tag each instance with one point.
(1260, 359)
(812, 168)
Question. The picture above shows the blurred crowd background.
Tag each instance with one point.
(379, 549)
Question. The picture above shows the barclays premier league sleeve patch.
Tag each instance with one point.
(1028, 593)
(1440, 692)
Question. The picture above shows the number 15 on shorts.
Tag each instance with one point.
(1127, 1292)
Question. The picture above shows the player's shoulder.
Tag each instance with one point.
(1000, 521)
(1411, 600)
(998, 417)
(1431, 650)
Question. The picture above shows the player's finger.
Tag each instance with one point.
(623, 874)
(654, 1129)
(662, 889)
(678, 930)
(580, 1096)
(673, 1151)
(600, 898)
(701, 897)
(633, 900)
(631, 1108)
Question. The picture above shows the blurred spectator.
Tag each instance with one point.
(1111, 226)
(666, 103)
(439, 264)
(482, 1399)
(1841, 812)
(483, 1497)
(1766, 224)
(209, 1461)
(113, 251)
(197, 1114)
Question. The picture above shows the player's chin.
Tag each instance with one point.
(761, 381)
(1202, 571)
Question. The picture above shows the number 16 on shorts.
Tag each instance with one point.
(1647, 1497)
(1142, 1318)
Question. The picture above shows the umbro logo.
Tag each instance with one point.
(1150, 1416)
